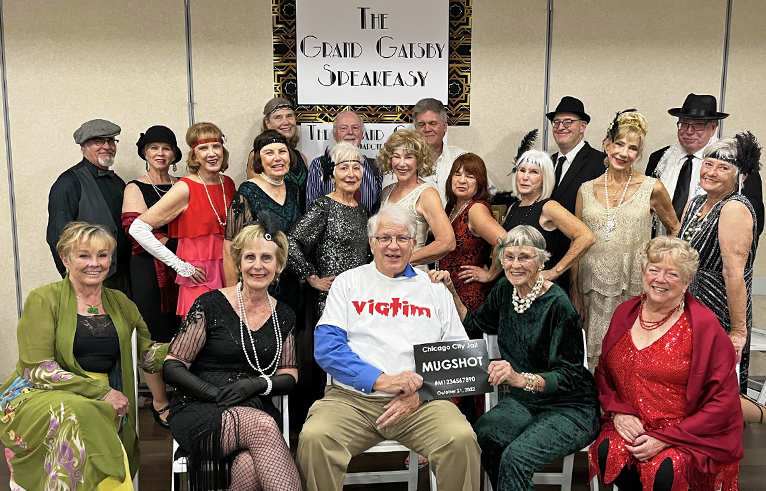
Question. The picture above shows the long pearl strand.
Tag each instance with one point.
(610, 220)
(244, 324)
(223, 190)
(520, 305)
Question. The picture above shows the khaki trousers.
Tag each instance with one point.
(342, 425)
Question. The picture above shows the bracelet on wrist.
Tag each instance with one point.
(532, 382)
(268, 384)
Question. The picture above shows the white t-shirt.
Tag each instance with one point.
(385, 317)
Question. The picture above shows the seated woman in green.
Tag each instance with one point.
(68, 411)
(552, 407)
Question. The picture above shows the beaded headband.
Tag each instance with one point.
(268, 141)
(281, 106)
(631, 122)
(207, 140)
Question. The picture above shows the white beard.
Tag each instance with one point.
(106, 161)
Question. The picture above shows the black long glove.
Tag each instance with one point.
(282, 384)
(175, 373)
(240, 390)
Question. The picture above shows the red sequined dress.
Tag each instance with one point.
(653, 380)
(470, 250)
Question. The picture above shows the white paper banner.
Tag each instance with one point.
(315, 137)
(373, 52)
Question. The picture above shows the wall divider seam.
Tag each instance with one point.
(725, 63)
(9, 165)
(547, 77)
(189, 65)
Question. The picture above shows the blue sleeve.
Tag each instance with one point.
(313, 182)
(333, 354)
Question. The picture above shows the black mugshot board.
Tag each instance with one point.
(452, 369)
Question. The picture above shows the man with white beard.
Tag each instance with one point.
(90, 192)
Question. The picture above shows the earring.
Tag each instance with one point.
(277, 291)
(147, 165)
(174, 167)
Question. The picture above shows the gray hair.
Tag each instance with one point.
(723, 149)
(544, 162)
(685, 257)
(345, 150)
(429, 104)
(394, 215)
(335, 122)
(524, 236)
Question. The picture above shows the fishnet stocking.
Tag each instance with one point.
(264, 462)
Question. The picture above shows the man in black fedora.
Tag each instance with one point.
(576, 162)
(678, 165)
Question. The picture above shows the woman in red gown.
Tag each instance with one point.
(672, 418)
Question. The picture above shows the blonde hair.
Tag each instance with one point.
(90, 233)
(248, 235)
(203, 131)
(629, 123)
(681, 252)
(411, 140)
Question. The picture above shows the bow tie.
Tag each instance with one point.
(102, 173)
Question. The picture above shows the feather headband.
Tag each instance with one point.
(527, 143)
(612, 132)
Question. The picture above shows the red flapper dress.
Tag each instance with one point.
(653, 380)
(469, 251)
(200, 238)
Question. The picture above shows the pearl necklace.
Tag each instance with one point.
(271, 181)
(453, 218)
(694, 225)
(272, 367)
(157, 190)
(610, 220)
(223, 189)
(520, 305)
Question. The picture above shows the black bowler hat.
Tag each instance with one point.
(572, 105)
(158, 134)
(698, 107)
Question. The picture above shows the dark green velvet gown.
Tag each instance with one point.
(527, 431)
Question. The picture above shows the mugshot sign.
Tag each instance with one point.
(392, 52)
(452, 368)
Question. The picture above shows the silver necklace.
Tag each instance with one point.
(520, 305)
(271, 181)
(272, 367)
(157, 190)
(453, 218)
(695, 224)
(223, 189)
(610, 220)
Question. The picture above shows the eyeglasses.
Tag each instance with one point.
(566, 123)
(523, 259)
(100, 141)
(694, 126)
(400, 239)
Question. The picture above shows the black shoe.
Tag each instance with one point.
(157, 412)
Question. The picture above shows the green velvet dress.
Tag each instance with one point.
(57, 433)
(527, 431)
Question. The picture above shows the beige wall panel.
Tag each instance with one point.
(69, 62)
(507, 81)
(8, 312)
(232, 56)
(745, 97)
(648, 55)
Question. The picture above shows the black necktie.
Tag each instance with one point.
(681, 195)
(559, 168)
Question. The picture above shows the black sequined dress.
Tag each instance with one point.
(337, 235)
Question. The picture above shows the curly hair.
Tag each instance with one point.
(681, 252)
(411, 140)
(628, 123)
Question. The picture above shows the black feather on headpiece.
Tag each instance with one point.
(748, 153)
(270, 223)
(527, 143)
(616, 125)
(327, 165)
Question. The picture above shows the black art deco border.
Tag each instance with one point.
(285, 70)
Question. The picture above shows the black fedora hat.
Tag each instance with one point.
(158, 134)
(698, 107)
(572, 105)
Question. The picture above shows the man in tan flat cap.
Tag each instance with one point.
(90, 192)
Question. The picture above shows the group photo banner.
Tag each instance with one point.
(376, 58)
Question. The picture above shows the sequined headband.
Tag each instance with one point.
(633, 123)
(281, 106)
(268, 141)
(206, 140)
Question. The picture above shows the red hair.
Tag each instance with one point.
(474, 165)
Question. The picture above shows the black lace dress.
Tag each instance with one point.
(209, 339)
(708, 285)
(337, 236)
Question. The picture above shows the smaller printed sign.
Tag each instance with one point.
(452, 369)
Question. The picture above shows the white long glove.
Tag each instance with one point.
(142, 232)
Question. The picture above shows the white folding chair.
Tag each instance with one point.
(563, 478)
(409, 475)
(758, 343)
(179, 464)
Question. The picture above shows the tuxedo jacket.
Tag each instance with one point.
(587, 165)
(752, 189)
